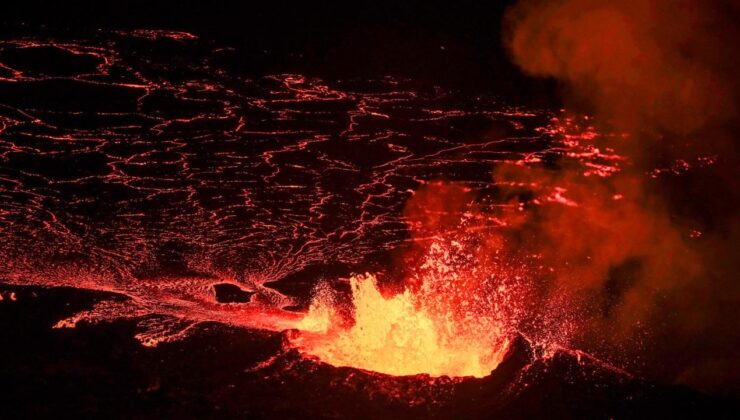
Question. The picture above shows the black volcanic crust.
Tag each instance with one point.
(101, 371)
(231, 293)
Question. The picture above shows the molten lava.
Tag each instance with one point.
(397, 335)
(458, 309)
(463, 297)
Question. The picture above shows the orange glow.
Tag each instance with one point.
(397, 335)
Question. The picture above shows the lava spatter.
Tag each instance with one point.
(399, 335)
(460, 307)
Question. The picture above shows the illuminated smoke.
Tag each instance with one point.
(663, 71)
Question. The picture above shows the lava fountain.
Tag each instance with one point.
(397, 335)
(455, 315)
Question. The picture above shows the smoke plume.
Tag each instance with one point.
(652, 259)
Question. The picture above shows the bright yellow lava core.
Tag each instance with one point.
(395, 335)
